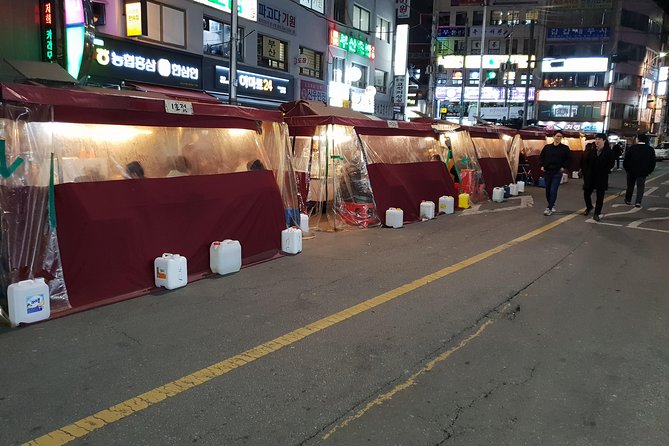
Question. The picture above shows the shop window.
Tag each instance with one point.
(314, 67)
(99, 13)
(272, 53)
(477, 19)
(216, 39)
(340, 11)
(360, 18)
(380, 80)
(382, 29)
(316, 5)
(338, 70)
(358, 75)
(166, 24)
(445, 18)
(461, 18)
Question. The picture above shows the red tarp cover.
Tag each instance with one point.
(406, 185)
(303, 117)
(109, 232)
(496, 173)
(108, 106)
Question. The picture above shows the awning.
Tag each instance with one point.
(180, 94)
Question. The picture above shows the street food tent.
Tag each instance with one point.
(74, 214)
(533, 141)
(466, 162)
(491, 151)
(360, 166)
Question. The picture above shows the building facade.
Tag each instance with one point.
(335, 51)
(598, 63)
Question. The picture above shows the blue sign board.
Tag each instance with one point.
(451, 31)
(589, 33)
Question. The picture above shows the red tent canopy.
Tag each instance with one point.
(90, 105)
(304, 116)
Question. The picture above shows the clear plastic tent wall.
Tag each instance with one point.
(401, 149)
(513, 154)
(466, 163)
(339, 192)
(101, 152)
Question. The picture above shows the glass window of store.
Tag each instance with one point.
(362, 81)
(166, 24)
(216, 39)
(380, 80)
(445, 18)
(314, 67)
(360, 18)
(461, 18)
(338, 70)
(272, 53)
(382, 29)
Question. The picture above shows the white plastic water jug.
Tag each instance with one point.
(427, 210)
(498, 194)
(304, 222)
(521, 186)
(394, 217)
(291, 240)
(565, 178)
(225, 257)
(170, 271)
(513, 189)
(446, 204)
(574, 174)
(28, 301)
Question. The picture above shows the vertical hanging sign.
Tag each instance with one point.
(47, 19)
(403, 9)
(136, 21)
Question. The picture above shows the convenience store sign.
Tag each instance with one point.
(245, 8)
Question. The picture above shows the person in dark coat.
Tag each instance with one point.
(639, 162)
(598, 160)
(554, 159)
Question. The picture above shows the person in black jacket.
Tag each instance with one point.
(639, 162)
(598, 159)
(554, 159)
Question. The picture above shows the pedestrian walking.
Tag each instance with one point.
(598, 160)
(554, 159)
(639, 162)
(618, 153)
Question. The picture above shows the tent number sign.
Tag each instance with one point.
(178, 107)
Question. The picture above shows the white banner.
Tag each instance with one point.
(403, 9)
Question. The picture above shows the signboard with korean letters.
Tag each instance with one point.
(128, 60)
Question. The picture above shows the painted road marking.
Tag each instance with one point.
(83, 427)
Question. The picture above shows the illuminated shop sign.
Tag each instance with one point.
(75, 35)
(124, 60)
(575, 65)
(313, 91)
(245, 8)
(489, 61)
(254, 84)
(488, 94)
(567, 95)
(594, 127)
(136, 20)
(444, 32)
(352, 45)
(48, 30)
(589, 33)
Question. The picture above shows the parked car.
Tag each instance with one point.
(662, 151)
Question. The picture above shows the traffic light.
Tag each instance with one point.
(491, 77)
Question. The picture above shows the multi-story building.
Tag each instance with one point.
(488, 47)
(340, 52)
(601, 66)
(598, 62)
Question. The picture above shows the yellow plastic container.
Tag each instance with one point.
(463, 201)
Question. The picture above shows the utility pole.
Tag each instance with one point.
(478, 101)
(463, 84)
(232, 98)
(528, 72)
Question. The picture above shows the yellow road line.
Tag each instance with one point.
(126, 408)
(412, 379)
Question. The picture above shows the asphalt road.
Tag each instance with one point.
(498, 325)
